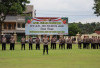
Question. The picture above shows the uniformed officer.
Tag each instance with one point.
(60, 42)
(87, 42)
(84, 42)
(37, 43)
(63, 43)
(79, 39)
(69, 43)
(23, 43)
(91, 41)
(54, 42)
(96, 42)
(30, 43)
(4, 43)
(94, 47)
(45, 44)
(99, 41)
(12, 43)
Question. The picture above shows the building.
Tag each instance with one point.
(15, 24)
(97, 33)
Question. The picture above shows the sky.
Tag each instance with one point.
(75, 10)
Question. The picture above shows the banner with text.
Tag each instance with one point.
(36, 26)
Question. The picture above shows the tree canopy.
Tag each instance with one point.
(87, 28)
(73, 29)
(11, 6)
(97, 7)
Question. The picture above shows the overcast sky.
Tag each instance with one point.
(75, 10)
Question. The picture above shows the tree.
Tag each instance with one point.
(73, 29)
(11, 7)
(97, 7)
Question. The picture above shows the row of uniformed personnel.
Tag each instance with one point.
(94, 41)
(12, 43)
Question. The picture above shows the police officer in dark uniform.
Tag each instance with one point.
(91, 41)
(60, 42)
(63, 43)
(99, 41)
(69, 43)
(12, 43)
(23, 43)
(96, 42)
(54, 42)
(30, 43)
(87, 42)
(45, 44)
(4, 43)
(37, 43)
(84, 42)
(79, 39)
(94, 47)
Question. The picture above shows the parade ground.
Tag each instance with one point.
(75, 58)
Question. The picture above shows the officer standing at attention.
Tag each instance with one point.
(45, 44)
(63, 43)
(54, 42)
(12, 43)
(91, 41)
(60, 42)
(84, 42)
(96, 42)
(37, 43)
(87, 42)
(79, 39)
(99, 41)
(4, 43)
(23, 43)
(69, 43)
(30, 43)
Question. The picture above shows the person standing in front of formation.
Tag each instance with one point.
(23, 43)
(12, 43)
(69, 43)
(54, 42)
(79, 39)
(60, 42)
(99, 41)
(37, 43)
(45, 44)
(4, 43)
(30, 43)
(63, 43)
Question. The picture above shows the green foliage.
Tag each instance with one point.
(73, 29)
(87, 28)
(11, 6)
(97, 7)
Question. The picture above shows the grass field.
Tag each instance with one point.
(75, 58)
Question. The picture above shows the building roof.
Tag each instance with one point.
(98, 32)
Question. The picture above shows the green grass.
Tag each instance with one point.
(75, 58)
